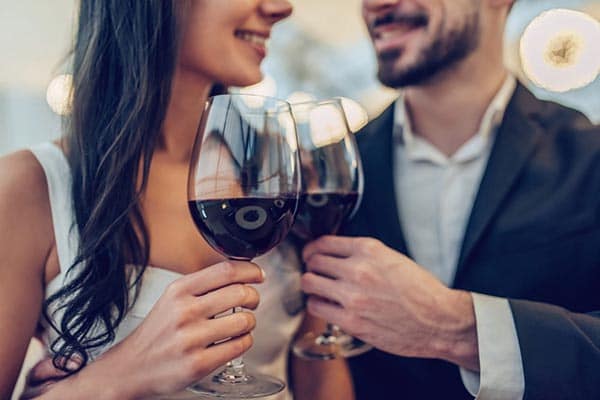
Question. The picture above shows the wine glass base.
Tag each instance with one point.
(251, 386)
(313, 347)
(349, 346)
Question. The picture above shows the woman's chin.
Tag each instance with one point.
(246, 76)
(250, 81)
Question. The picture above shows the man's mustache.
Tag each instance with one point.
(416, 20)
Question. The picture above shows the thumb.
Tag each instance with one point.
(45, 370)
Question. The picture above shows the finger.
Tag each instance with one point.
(324, 287)
(331, 312)
(220, 275)
(216, 356)
(226, 298)
(43, 371)
(337, 246)
(222, 328)
(32, 392)
(327, 266)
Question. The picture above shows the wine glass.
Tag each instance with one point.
(332, 184)
(243, 189)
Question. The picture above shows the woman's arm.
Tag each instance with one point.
(174, 345)
(319, 380)
(26, 238)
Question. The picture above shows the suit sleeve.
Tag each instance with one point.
(560, 351)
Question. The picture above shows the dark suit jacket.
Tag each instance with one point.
(533, 237)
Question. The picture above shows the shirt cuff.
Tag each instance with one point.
(501, 368)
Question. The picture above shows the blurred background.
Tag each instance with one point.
(553, 46)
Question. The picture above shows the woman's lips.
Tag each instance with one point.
(257, 40)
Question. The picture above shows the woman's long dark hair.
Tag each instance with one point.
(124, 60)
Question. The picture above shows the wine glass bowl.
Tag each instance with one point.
(331, 169)
(332, 185)
(243, 189)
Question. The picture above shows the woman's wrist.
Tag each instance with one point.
(119, 378)
(107, 378)
(103, 380)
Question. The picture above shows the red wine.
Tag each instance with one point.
(322, 213)
(244, 228)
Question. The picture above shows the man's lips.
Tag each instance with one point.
(391, 31)
(415, 20)
(387, 31)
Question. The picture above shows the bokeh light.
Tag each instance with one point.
(58, 94)
(300, 97)
(266, 87)
(560, 50)
(356, 114)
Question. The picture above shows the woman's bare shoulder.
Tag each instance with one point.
(25, 214)
(22, 180)
(26, 240)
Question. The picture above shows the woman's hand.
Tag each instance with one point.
(174, 346)
(41, 377)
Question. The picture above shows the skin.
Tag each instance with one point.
(467, 85)
(385, 299)
(171, 348)
(312, 379)
(368, 289)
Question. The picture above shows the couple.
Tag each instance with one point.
(494, 194)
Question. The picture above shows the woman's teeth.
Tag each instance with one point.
(252, 38)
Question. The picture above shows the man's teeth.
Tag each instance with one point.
(252, 38)
(391, 33)
(388, 34)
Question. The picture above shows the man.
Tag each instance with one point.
(494, 194)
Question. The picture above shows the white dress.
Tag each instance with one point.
(279, 313)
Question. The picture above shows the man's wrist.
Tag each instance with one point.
(456, 337)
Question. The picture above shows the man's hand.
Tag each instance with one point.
(387, 300)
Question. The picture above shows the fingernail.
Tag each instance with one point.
(72, 365)
(263, 273)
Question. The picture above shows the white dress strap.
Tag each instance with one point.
(58, 177)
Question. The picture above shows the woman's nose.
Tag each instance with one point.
(276, 10)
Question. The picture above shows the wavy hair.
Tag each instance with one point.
(124, 59)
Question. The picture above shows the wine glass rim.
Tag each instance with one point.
(275, 100)
(336, 100)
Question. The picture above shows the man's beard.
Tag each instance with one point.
(445, 52)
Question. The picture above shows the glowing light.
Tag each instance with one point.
(267, 87)
(355, 114)
(560, 50)
(288, 128)
(327, 125)
(300, 97)
(58, 94)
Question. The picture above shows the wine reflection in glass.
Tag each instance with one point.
(243, 189)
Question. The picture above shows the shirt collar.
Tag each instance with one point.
(492, 118)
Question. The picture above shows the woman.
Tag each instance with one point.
(83, 218)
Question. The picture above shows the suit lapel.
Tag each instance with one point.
(515, 142)
(379, 200)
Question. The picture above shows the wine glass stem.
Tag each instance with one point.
(332, 330)
(235, 370)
